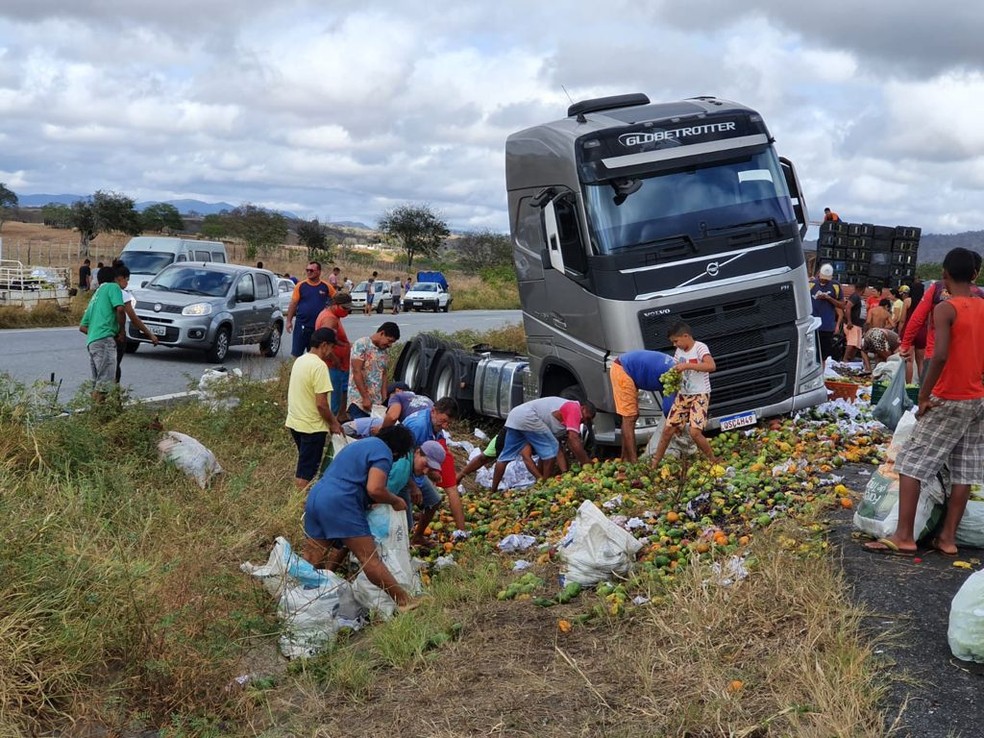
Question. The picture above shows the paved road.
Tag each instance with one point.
(40, 354)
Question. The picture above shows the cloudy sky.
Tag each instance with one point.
(341, 112)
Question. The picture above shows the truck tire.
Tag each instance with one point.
(410, 364)
(445, 382)
(447, 307)
(219, 350)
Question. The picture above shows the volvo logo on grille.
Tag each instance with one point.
(158, 307)
(712, 269)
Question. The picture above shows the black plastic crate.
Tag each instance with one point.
(905, 246)
(826, 239)
(883, 232)
(860, 229)
(859, 242)
(903, 258)
(908, 232)
(825, 252)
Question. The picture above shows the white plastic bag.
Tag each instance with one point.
(189, 456)
(966, 631)
(338, 442)
(970, 531)
(878, 513)
(595, 548)
(681, 445)
(389, 528)
(314, 603)
(213, 389)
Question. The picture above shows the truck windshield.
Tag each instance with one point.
(691, 204)
(146, 262)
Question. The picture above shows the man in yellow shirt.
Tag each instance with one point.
(309, 415)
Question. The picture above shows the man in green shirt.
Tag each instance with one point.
(103, 323)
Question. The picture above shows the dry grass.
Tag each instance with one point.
(779, 654)
(121, 600)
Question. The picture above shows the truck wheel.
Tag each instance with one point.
(131, 346)
(379, 308)
(445, 382)
(412, 358)
(271, 346)
(220, 349)
(447, 307)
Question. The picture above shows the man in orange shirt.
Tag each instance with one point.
(951, 412)
(829, 214)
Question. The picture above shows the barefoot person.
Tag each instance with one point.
(335, 516)
(690, 407)
(950, 427)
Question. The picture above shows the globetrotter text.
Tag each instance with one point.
(639, 137)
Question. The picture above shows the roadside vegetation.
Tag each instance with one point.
(122, 606)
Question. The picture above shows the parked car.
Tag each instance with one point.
(427, 296)
(285, 292)
(210, 307)
(383, 300)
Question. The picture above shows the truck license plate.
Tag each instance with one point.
(738, 421)
(158, 330)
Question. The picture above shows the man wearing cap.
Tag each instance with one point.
(429, 425)
(339, 360)
(828, 306)
(425, 461)
(309, 415)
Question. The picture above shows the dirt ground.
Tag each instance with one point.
(936, 695)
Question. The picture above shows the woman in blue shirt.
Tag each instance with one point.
(335, 516)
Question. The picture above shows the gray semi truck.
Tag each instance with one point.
(627, 217)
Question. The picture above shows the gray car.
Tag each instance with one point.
(210, 307)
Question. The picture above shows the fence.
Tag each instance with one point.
(28, 286)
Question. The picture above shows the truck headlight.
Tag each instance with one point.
(199, 308)
(809, 361)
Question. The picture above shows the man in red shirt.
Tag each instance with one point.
(338, 361)
(951, 412)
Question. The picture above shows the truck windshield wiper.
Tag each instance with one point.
(671, 246)
(769, 223)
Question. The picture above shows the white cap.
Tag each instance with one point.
(826, 271)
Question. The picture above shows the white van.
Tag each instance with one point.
(145, 256)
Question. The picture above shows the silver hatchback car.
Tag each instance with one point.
(210, 307)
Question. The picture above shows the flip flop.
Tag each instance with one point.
(887, 547)
(934, 546)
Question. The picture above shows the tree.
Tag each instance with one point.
(414, 228)
(56, 215)
(161, 217)
(314, 236)
(104, 211)
(216, 225)
(259, 228)
(483, 250)
(8, 201)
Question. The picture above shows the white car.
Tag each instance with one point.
(427, 296)
(285, 291)
(382, 299)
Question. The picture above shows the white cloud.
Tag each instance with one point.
(348, 108)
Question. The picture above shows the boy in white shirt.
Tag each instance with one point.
(695, 363)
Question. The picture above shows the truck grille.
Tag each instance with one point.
(752, 337)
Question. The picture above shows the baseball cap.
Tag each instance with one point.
(342, 298)
(394, 386)
(435, 454)
(826, 271)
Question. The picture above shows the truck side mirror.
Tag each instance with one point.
(795, 193)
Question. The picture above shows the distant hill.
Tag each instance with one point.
(934, 246)
(37, 201)
(192, 206)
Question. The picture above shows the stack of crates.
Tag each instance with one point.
(882, 256)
